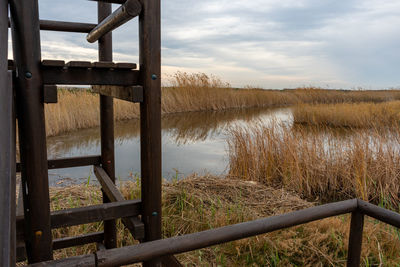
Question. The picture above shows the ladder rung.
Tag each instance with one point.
(89, 214)
(69, 162)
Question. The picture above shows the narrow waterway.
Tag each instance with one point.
(193, 142)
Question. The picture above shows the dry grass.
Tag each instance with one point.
(195, 92)
(354, 115)
(200, 203)
(319, 164)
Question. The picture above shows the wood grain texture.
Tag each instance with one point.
(31, 127)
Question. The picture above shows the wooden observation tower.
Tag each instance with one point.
(28, 82)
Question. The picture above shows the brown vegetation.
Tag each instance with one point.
(354, 115)
(195, 92)
(319, 164)
(200, 203)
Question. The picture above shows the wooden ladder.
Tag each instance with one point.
(35, 83)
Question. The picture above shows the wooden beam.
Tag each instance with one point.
(49, 94)
(355, 239)
(128, 93)
(150, 120)
(90, 76)
(69, 162)
(25, 31)
(7, 159)
(107, 124)
(67, 242)
(90, 214)
(134, 225)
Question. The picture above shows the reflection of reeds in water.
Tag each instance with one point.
(195, 92)
(320, 166)
(181, 128)
(198, 126)
(355, 115)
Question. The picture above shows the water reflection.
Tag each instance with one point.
(192, 142)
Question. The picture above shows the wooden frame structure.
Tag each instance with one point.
(27, 82)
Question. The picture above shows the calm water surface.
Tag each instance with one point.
(192, 142)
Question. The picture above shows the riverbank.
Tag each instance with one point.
(78, 109)
(200, 203)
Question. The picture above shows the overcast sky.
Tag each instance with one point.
(264, 43)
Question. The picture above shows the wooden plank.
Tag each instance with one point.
(67, 242)
(90, 214)
(53, 63)
(125, 65)
(70, 162)
(128, 93)
(79, 64)
(31, 125)
(355, 239)
(104, 64)
(150, 120)
(107, 125)
(134, 225)
(49, 94)
(90, 76)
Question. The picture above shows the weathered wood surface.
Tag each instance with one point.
(134, 225)
(150, 120)
(31, 126)
(7, 153)
(7, 160)
(355, 239)
(50, 94)
(64, 26)
(90, 76)
(128, 93)
(127, 11)
(95, 213)
(107, 125)
(69, 162)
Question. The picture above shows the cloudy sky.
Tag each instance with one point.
(264, 43)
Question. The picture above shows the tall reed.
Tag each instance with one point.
(78, 109)
(355, 115)
(318, 165)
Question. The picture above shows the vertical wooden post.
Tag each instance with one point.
(31, 128)
(150, 119)
(7, 149)
(355, 239)
(107, 125)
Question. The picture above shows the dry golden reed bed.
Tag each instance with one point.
(319, 164)
(195, 92)
(354, 115)
(200, 203)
